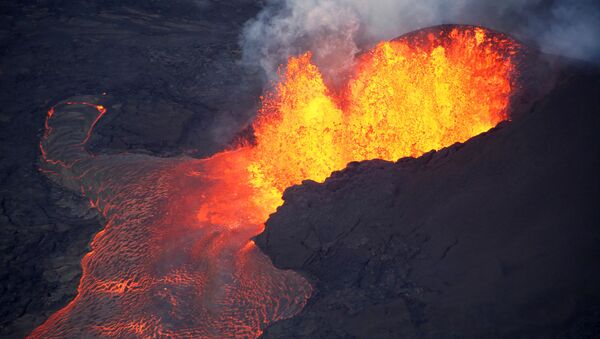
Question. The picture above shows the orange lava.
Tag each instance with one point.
(406, 97)
(159, 270)
(47, 130)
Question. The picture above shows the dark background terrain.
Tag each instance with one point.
(172, 67)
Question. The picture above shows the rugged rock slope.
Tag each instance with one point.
(497, 237)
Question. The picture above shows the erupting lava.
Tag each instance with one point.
(175, 257)
(409, 96)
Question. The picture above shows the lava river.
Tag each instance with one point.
(175, 258)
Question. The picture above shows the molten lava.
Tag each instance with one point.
(406, 97)
(158, 269)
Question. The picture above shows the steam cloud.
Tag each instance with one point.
(335, 30)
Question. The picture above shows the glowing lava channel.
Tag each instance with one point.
(157, 270)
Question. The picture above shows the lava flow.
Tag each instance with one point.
(175, 258)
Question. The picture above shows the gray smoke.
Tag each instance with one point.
(335, 30)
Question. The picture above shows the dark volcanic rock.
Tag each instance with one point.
(497, 237)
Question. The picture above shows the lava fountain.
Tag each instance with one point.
(175, 258)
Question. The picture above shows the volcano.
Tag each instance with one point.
(176, 256)
(436, 191)
(497, 237)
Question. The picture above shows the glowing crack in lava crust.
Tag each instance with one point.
(175, 258)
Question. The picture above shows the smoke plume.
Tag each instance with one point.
(335, 30)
